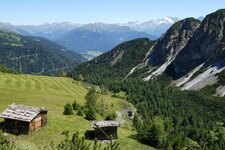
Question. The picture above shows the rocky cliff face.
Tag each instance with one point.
(173, 41)
(170, 44)
(206, 46)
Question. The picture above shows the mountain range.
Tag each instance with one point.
(37, 55)
(191, 52)
(87, 39)
(156, 27)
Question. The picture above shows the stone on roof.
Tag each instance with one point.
(100, 124)
(21, 112)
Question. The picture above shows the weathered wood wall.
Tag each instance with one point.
(35, 124)
(22, 127)
(44, 118)
(38, 122)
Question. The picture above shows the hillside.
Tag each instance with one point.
(189, 56)
(112, 67)
(37, 55)
(53, 93)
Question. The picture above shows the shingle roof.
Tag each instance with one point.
(21, 112)
(100, 124)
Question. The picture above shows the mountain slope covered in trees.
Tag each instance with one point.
(167, 117)
(37, 55)
(112, 67)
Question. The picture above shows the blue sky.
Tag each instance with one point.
(108, 11)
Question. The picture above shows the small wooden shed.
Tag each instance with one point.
(104, 130)
(20, 119)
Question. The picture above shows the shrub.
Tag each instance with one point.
(80, 112)
(68, 109)
(111, 116)
(90, 115)
(79, 143)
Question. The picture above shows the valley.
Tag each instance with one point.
(157, 84)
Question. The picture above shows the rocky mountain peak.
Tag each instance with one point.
(173, 41)
(170, 44)
(204, 46)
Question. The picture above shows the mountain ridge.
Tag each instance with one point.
(28, 54)
(191, 52)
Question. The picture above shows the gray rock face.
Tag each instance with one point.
(206, 46)
(173, 41)
(170, 44)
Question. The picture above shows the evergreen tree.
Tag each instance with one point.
(75, 105)
(68, 109)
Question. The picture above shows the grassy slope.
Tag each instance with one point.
(53, 93)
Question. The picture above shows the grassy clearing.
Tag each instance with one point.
(53, 93)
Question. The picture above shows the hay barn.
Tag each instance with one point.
(20, 119)
(104, 130)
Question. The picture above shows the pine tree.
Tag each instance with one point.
(68, 109)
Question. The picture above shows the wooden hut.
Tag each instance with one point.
(105, 130)
(20, 119)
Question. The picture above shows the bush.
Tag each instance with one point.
(80, 112)
(90, 115)
(68, 109)
(79, 143)
(111, 116)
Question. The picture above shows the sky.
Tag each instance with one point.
(34, 12)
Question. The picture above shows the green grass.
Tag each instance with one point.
(53, 93)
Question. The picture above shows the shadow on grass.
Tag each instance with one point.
(1, 125)
(90, 134)
(135, 137)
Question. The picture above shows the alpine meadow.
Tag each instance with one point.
(112, 75)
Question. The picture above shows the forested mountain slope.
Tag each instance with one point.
(37, 55)
(112, 67)
(169, 118)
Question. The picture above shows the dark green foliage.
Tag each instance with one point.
(111, 116)
(80, 112)
(184, 115)
(79, 143)
(110, 68)
(76, 106)
(76, 143)
(26, 54)
(68, 109)
(5, 69)
(90, 114)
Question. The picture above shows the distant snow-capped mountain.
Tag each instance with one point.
(156, 26)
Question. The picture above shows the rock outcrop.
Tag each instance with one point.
(170, 44)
